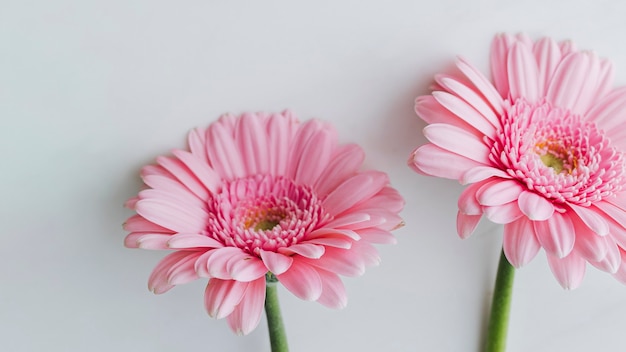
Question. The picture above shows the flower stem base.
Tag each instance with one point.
(500, 307)
(278, 337)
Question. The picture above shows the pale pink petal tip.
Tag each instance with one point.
(541, 148)
(262, 193)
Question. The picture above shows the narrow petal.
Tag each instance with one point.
(484, 86)
(251, 139)
(181, 241)
(331, 241)
(498, 192)
(223, 151)
(139, 223)
(302, 280)
(247, 314)
(591, 218)
(481, 173)
(353, 190)
(569, 271)
(276, 263)
(431, 160)
(315, 156)
(548, 55)
(200, 169)
(184, 175)
(523, 73)
(503, 214)
(280, 130)
(588, 244)
(465, 110)
(344, 163)
(196, 140)
(244, 267)
(333, 291)
(611, 261)
(372, 235)
(556, 235)
(458, 141)
(339, 261)
(499, 52)
(217, 263)
(520, 243)
(471, 97)
(534, 206)
(570, 86)
(466, 224)
(176, 217)
(222, 296)
(308, 250)
(158, 280)
(468, 202)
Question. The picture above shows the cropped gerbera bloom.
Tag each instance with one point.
(262, 194)
(541, 147)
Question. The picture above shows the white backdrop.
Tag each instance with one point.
(92, 90)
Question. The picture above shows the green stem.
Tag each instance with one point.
(500, 307)
(278, 337)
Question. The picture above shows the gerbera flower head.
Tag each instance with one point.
(541, 146)
(259, 195)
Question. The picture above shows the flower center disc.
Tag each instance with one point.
(263, 212)
(557, 154)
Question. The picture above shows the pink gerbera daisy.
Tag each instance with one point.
(542, 149)
(262, 195)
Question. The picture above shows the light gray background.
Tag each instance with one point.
(92, 90)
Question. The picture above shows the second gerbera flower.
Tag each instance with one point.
(262, 194)
(542, 147)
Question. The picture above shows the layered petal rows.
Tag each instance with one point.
(262, 194)
(541, 148)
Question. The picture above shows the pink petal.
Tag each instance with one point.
(181, 241)
(302, 280)
(333, 232)
(251, 139)
(171, 189)
(570, 86)
(569, 271)
(280, 130)
(520, 243)
(183, 272)
(611, 261)
(158, 281)
(458, 141)
(244, 267)
(247, 315)
(344, 163)
(620, 274)
(196, 140)
(481, 173)
(348, 220)
(222, 296)
(372, 235)
(331, 241)
(308, 250)
(200, 169)
(346, 262)
(315, 156)
(223, 151)
(276, 263)
(503, 214)
(534, 206)
(613, 211)
(465, 111)
(138, 223)
(591, 218)
(431, 160)
(355, 189)
(153, 241)
(466, 224)
(468, 204)
(588, 244)
(556, 235)
(333, 291)
(499, 52)
(177, 217)
(547, 55)
(184, 176)
(522, 73)
(611, 105)
(471, 97)
(484, 86)
(299, 143)
(217, 262)
(498, 192)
